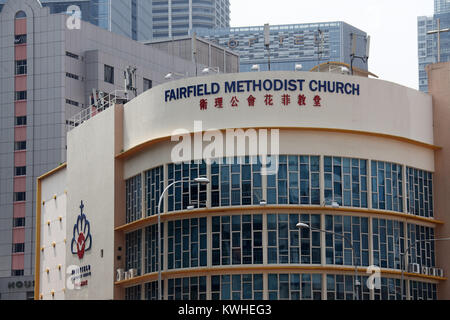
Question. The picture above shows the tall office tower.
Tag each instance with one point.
(441, 6)
(48, 73)
(173, 18)
(130, 18)
(308, 44)
(428, 43)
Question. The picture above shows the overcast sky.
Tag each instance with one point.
(392, 25)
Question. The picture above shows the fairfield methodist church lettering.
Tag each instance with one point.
(261, 90)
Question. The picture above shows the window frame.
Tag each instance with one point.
(21, 67)
(19, 222)
(20, 39)
(18, 247)
(20, 95)
(20, 145)
(20, 121)
(147, 81)
(20, 171)
(108, 74)
(20, 196)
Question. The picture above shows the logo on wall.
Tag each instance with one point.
(82, 239)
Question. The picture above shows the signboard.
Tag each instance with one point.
(252, 86)
(20, 284)
(81, 243)
(82, 239)
(294, 92)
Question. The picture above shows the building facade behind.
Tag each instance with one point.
(441, 6)
(202, 52)
(428, 43)
(130, 18)
(174, 18)
(439, 82)
(47, 79)
(125, 17)
(307, 44)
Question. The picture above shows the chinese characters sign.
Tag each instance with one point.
(268, 100)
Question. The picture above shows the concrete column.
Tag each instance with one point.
(322, 181)
(438, 84)
(369, 184)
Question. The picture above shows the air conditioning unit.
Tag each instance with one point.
(132, 273)
(120, 275)
(414, 268)
(439, 272)
(425, 270)
(433, 271)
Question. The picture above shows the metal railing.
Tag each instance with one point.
(102, 103)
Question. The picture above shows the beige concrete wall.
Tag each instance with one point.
(311, 143)
(439, 88)
(382, 107)
(52, 268)
(91, 179)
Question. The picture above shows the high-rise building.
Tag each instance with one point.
(173, 18)
(147, 19)
(48, 73)
(308, 44)
(441, 6)
(428, 43)
(130, 18)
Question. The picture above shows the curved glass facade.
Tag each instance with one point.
(419, 186)
(239, 182)
(288, 244)
(387, 186)
(182, 195)
(237, 287)
(236, 240)
(235, 182)
(280, 286)
(297, 181)
(346, 181)
(154, 186)
(133, 199)
(302, 190)
(273, 239)
(187, 243)
(388, 243)
(338, 250)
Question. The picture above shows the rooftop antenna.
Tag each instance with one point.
(320, 39)
(130, 80)
(194, 51)
(95, 98)
(353, 55)
(267, 39)
(367, 47)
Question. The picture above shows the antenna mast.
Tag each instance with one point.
(319, 39)
(130, 80)
(267, 39)
(353, 55)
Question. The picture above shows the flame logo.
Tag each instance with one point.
(82, 239)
